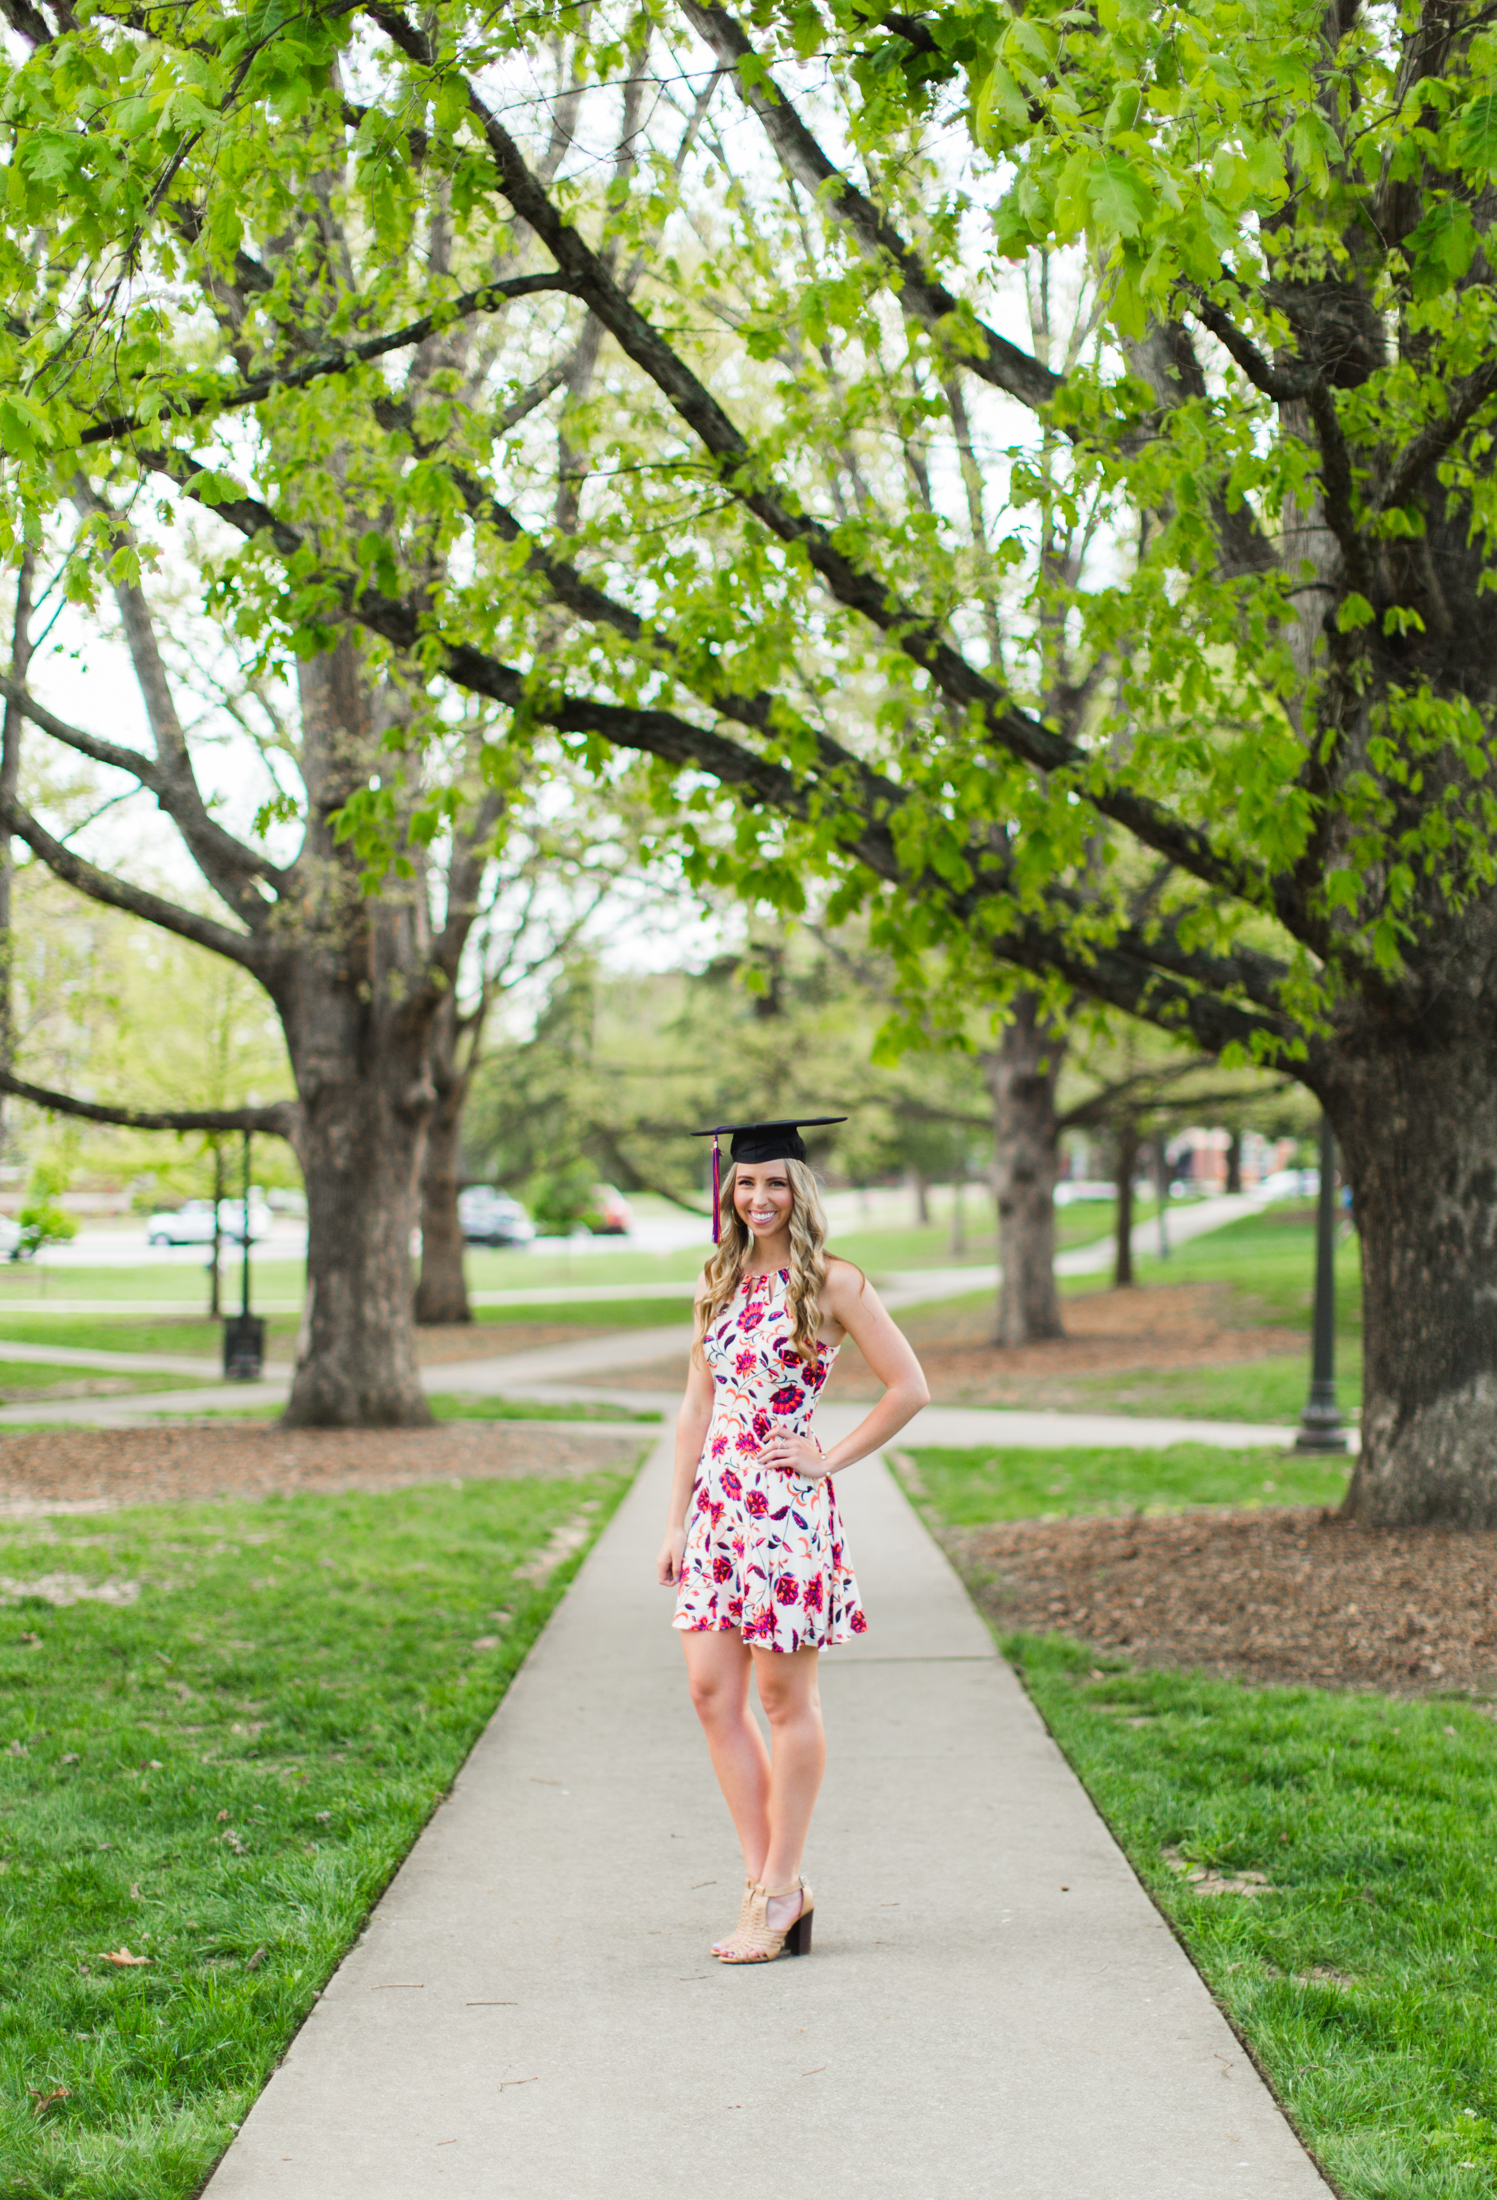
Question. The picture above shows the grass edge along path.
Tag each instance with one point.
(1322, 1859)
(215, 1758)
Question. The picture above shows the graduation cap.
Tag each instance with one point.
(757, 1142)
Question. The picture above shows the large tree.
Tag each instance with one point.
(1256, 806)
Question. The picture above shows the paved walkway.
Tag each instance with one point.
(994, 2005)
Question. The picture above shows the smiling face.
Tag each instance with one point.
(763, 1199)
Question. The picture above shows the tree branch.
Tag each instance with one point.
(990, 356)
(859, 591)
(136, 901)
(1430, 445)
(240, 394)
(278, 1119)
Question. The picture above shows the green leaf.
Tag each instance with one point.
(1119, 198)
(1354, 611)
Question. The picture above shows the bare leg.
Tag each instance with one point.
(792, 1705)
(718, 1668)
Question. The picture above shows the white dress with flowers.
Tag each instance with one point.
(764, 1549)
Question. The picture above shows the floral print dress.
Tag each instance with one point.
(764, 1549)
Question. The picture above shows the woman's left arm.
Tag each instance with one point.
(853, 1302)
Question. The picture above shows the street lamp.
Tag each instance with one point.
(1320, 1425)
(244, 1332)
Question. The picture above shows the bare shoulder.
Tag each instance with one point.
(846, 1287)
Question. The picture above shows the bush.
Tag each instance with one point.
(42, 1220)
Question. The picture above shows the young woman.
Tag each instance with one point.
(753, 1545)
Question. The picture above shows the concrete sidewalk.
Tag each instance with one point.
(994, 2005)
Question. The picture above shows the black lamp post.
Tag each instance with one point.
(1320, 1425)
(244, 1332)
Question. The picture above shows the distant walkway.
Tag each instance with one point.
(994, 2005)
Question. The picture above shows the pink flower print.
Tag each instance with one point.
(787, 1589)
(813, 1593)
(762, 1425)
(737, 1546)
(751, 1317)
(719, 1446)
(722, 1568)
(857, 1620)
(744, 1363)
(756, 1504)
(836, 1558)
(732, 1487)
(762, 1625)
(744, 1445)
(735, 1610)
(717, 1510)
(704, 1502)
(786, 1400)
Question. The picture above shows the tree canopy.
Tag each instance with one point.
(1139, 650)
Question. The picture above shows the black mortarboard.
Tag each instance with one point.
(758, 1142)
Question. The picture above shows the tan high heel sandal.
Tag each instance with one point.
(743, 1915)
(758, 1942)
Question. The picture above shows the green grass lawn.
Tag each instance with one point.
(23, 1381)
(1363, 1975)
(457, 1407)
(221, 1776)
(967, 1488)
(1269, 1259)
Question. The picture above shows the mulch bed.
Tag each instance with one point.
(97, 1468)
(1282, 1594)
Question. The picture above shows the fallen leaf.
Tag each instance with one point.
(156, 1765)
(255, 1960)
(135, 1891)
(18, 1749)
(71, 1757)
(323, 1817)
(41, 2102)
(218, 1821)
(232, 1840)
(481, 1642)
(121, 1956)
(32, 1642)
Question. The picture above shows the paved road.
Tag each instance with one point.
(994, 2005)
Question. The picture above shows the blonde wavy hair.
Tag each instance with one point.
(724, 1270)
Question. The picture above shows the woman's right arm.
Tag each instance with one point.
(691, 1433)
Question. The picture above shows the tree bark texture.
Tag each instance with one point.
(352, 985)
(1418, 1135)
(1234, 1162)
(1024, 1072)
(442, 1293)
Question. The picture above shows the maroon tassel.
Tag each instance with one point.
(717, 1194)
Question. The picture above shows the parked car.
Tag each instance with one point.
(490, 1217)
(1073, 1189)
(611, 1215)
(1289, 1184)
(192, 1222)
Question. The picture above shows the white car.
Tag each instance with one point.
(490, 1217)
(192, 1222)
(1289, 1184)
(1073, 1189)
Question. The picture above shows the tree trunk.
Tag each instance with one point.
(1418, 1135)
(442, 1294)
(1234, 1162)
(921, 1191)
(1024, 1072)
(1122, 1265)
(360, 1147)
(1162, 1192)
(357, 1019)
